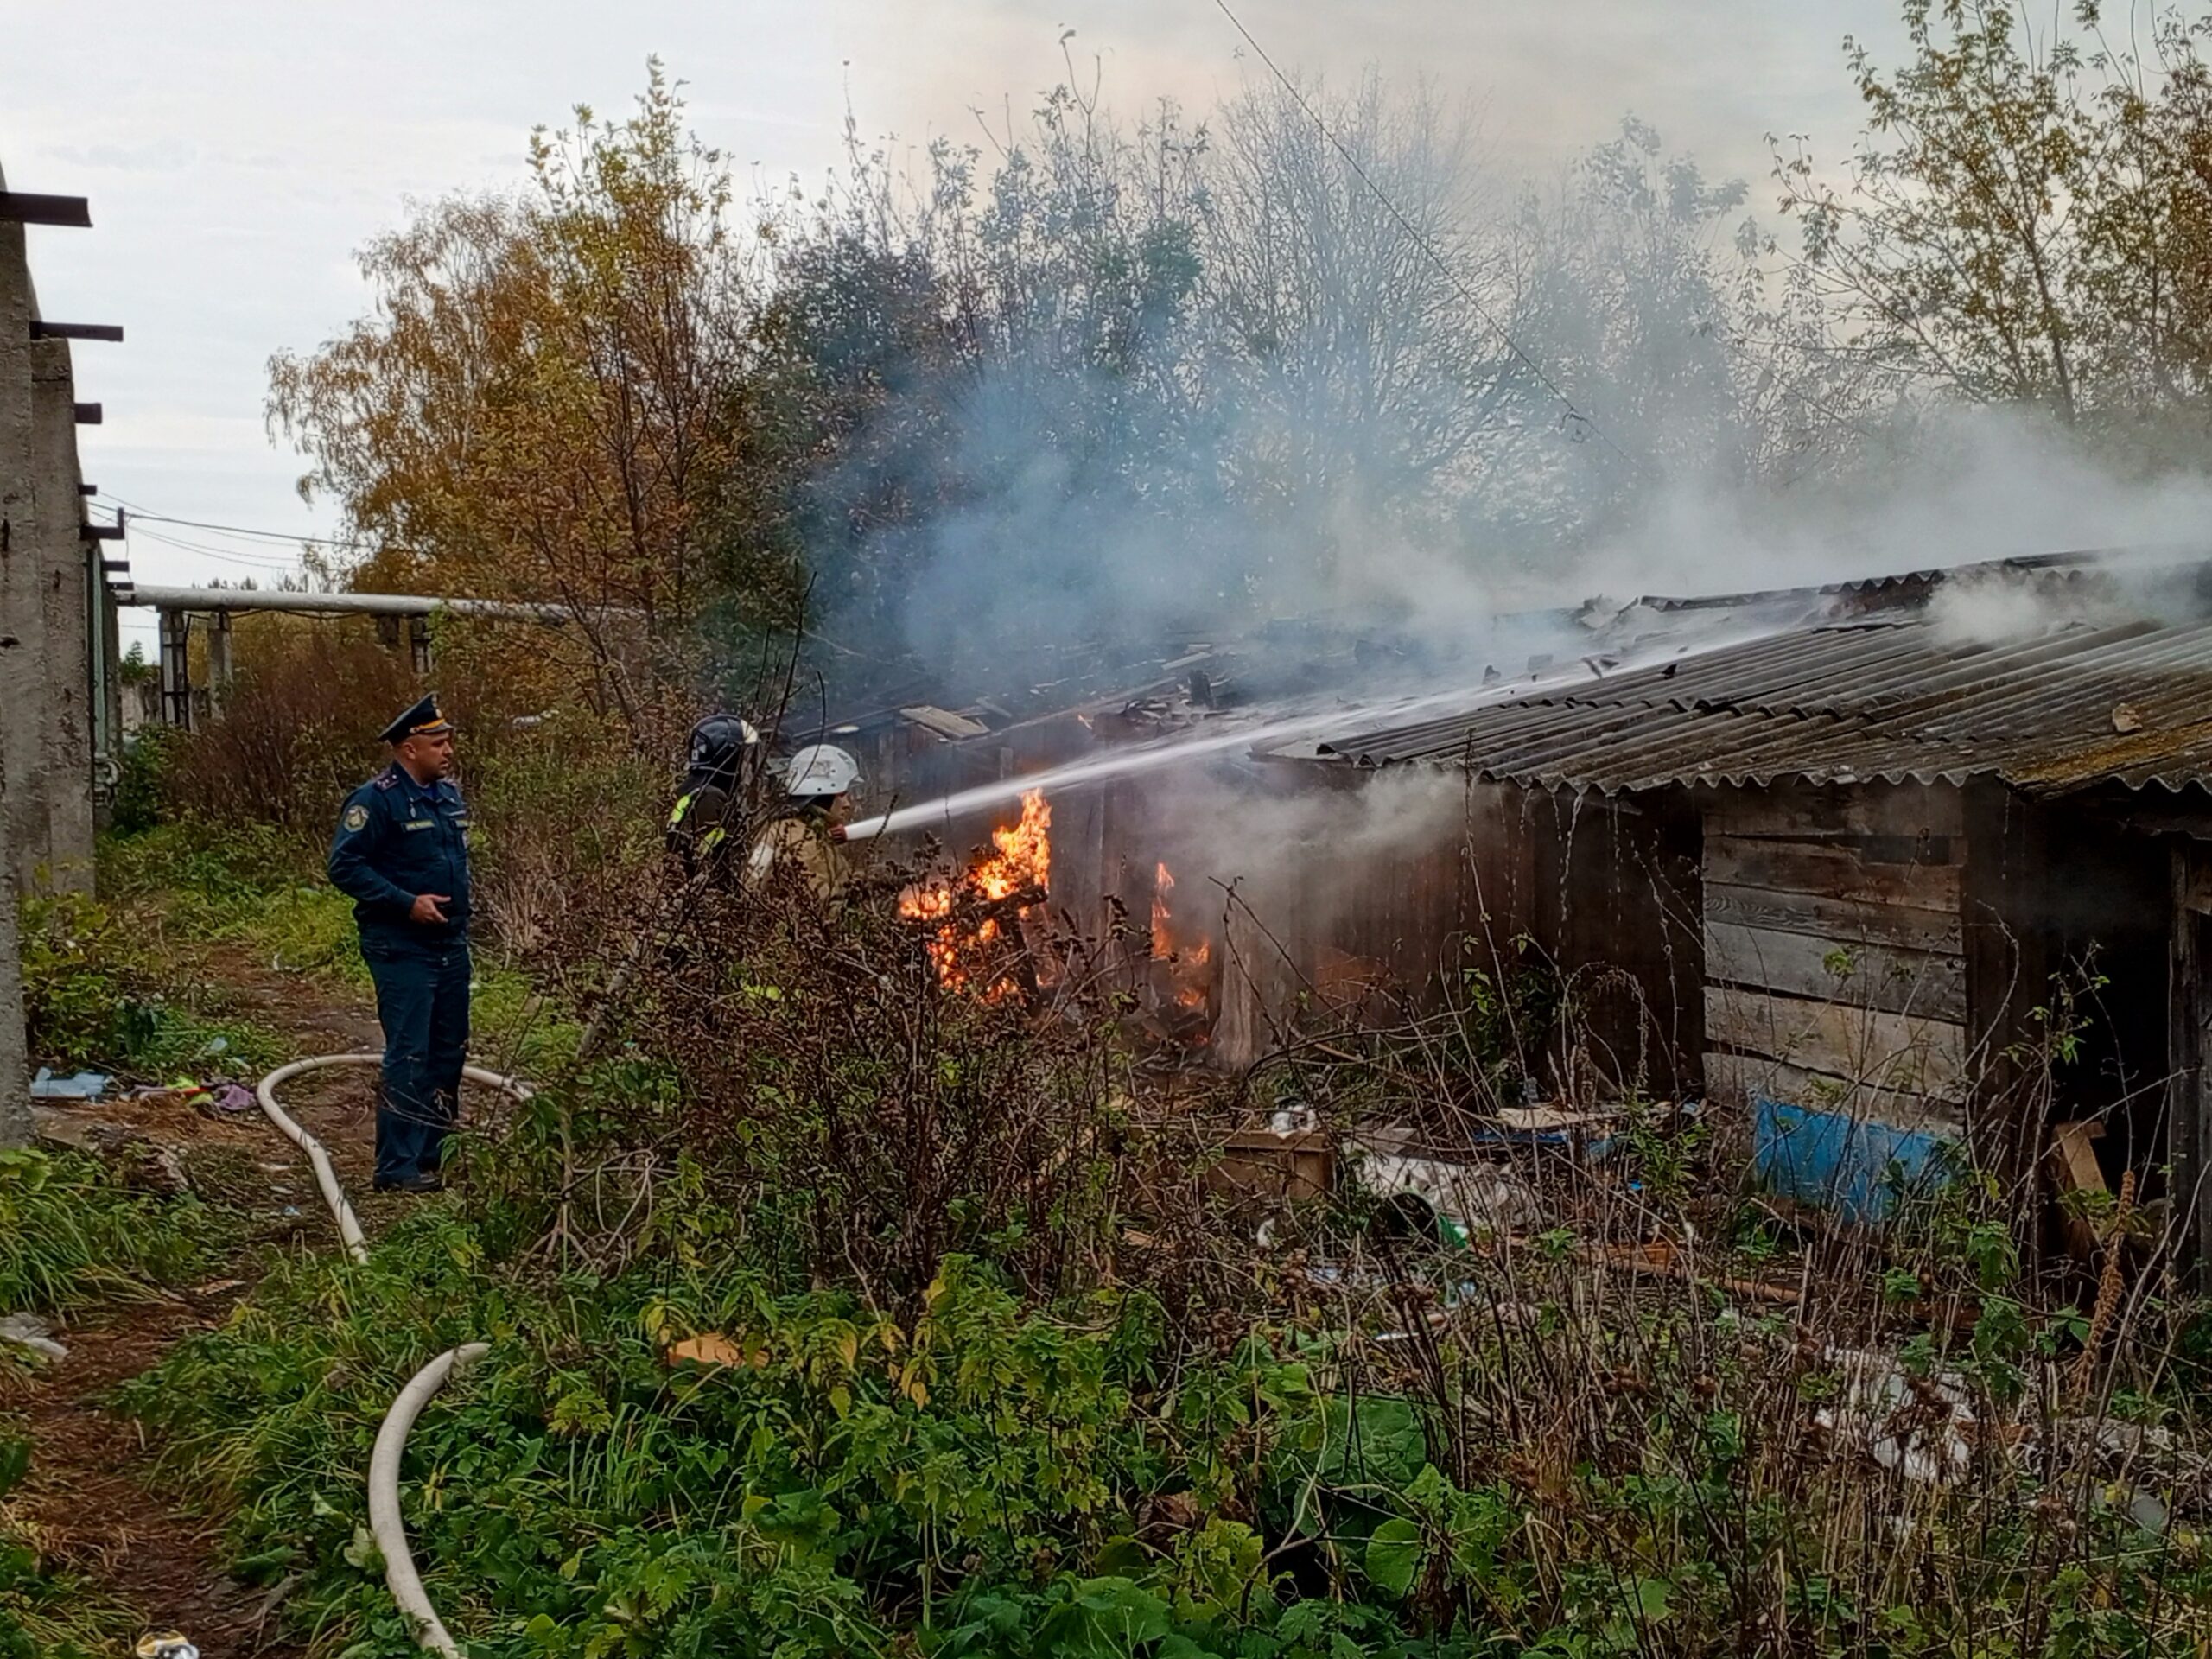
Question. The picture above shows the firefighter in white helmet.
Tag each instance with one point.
(817, 784)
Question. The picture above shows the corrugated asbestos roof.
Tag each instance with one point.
(1886, 700)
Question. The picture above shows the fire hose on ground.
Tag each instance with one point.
(386, 1525)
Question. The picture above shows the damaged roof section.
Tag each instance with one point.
(1897, 702)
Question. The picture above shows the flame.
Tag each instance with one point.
(1023, 862)
(1190, 961)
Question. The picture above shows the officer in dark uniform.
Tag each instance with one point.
(401, 853)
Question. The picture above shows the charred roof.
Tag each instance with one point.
(1894, 701)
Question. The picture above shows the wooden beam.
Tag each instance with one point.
(2073, 1168)
(1829, 870)
(86, 414)
(110, 332)
(1886, 1052)
(22, 207)
(1931, 984)
(1805, 812)
(2005, 906)
(1733, 1079)
(101, 532)
(88, 489)
(1854, 921)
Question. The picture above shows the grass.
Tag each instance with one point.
(72, 1234)
(98, 993)
(261, 891)
(1348, 1442)
(45, 1615)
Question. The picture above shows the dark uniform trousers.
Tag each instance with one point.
(395, 839)
(422, 1005)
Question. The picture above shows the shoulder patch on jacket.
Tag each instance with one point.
(356, 818)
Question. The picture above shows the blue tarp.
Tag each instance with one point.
(1854, 1167)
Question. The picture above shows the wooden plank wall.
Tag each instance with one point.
(1835, 962)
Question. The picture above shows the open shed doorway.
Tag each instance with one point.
(2107, 938)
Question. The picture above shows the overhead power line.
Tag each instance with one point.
(141, 515)
(202, 550)
(1420, 240)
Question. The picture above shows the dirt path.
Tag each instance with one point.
(93, 1498)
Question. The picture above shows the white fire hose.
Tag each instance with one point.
(386, 1525)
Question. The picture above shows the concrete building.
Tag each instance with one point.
(56, 621)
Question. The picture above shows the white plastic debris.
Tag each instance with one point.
(29, 1331)
(1922, 1434)
(85, 1085)
(1474, 1197)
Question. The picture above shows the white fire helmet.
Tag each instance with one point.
(821, 770)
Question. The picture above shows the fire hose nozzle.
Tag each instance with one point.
(837, 832)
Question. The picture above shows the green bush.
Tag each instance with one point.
(91, 997)
(138, 790)
(991, 1477)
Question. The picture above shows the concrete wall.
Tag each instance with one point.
(46, 598)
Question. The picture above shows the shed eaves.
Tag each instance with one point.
(1894, 701)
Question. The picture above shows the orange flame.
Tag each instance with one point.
(1190, 961)
(1023, 860)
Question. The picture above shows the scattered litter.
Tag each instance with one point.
(1539, 1119)
(229, 1098)
(29, 1331)
(170, 1644)
(85, 1085)
(1468, 1198)
(290, 1212)
(2143, 1469)
(1919, 1427)
(710, 1348)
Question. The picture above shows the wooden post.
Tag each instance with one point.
(2007, 977)
(2189, 1148)
(418, 640)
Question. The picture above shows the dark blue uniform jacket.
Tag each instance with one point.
(396, 838)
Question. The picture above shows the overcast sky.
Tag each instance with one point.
(236, 154)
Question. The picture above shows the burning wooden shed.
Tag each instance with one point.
(1853, 872)
(1925, 868)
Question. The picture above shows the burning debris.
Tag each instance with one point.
(1182, 966)
(1020, 867)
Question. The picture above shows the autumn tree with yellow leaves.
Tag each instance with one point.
(539, 408)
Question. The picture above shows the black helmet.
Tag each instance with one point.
(720, 744)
